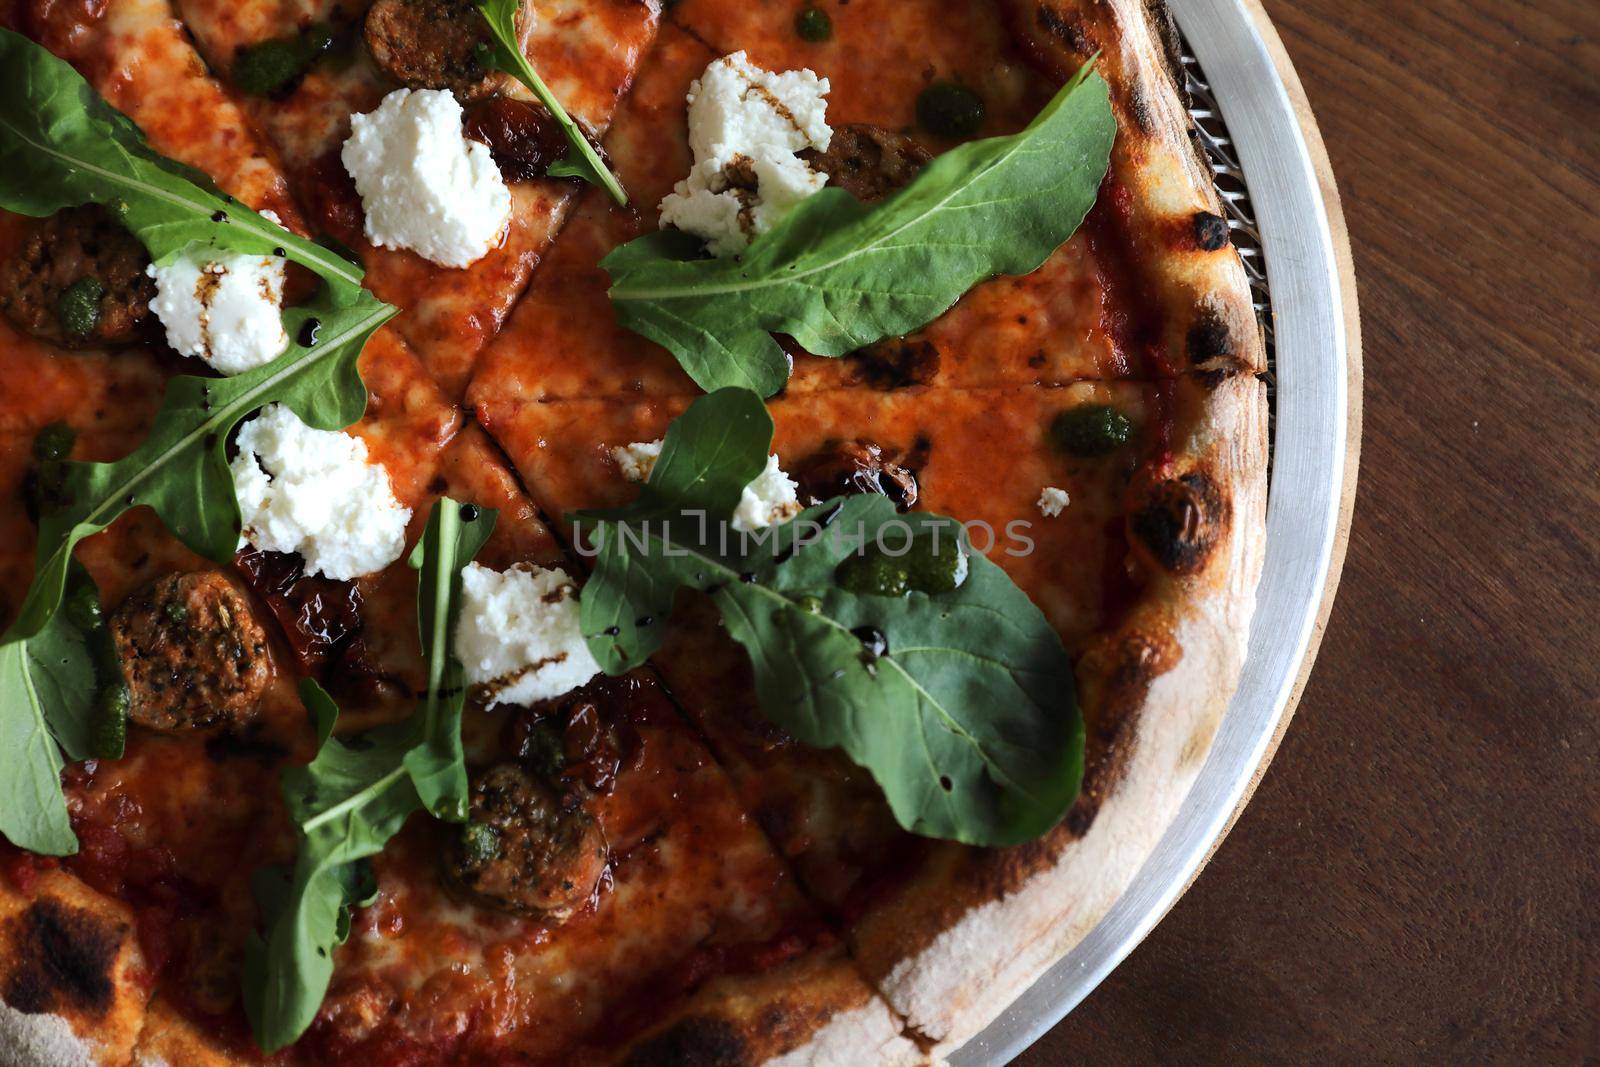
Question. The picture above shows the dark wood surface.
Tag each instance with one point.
(1418, 876)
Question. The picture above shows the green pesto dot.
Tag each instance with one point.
(1091, 430)
(111, 721)
(811, 605)
(541, 750)
(813, 24)
(78, 308)
(937, 564)
(83, 606)
(54, 442)
(269, 67)
(480, 844)
(946, 109)
(874, 574)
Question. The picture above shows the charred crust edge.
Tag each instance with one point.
(1210, 340)
(697, 1041)
(64, 958)
(1164, 29)
(1211, 231)
(1114, 683)
(1180, 521)
(1069, 31)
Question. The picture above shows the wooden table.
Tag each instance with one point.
(1418, 876)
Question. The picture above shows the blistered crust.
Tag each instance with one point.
(1172, 213)
(812, 1012)
(69, 965)
(984, 925)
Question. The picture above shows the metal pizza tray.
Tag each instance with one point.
(1270, 169)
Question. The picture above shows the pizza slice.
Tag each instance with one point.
(1157, 248)
(1122, 509)
(1084, 314)
(565, 340)
(433, 226)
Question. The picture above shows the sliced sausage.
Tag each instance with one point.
(433, 44)
(870, 162)
(525, 848)
(194, 655)
(79, 280)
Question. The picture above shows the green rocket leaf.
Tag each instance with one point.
(64, 146)
(356, 794)
(836, 274)
(581, 161)
(453, 536)
(347, 803)
(960, 703)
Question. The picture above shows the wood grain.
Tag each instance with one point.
(1418, 877)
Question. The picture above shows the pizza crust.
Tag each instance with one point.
(871, 1032)
(968, 971)
(70, 995)
(814, 1011)
(1175, 211)
(975, 929)
(43, 1040)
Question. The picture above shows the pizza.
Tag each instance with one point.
(599, 531)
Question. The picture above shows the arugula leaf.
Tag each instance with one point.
(355, 795)
(349, 801)
(836, 274)
(181, 469)
(581, 161)
(65, 146)
(48, 687)
(453, 536)
(966, 717)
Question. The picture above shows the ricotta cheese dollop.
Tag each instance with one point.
(747, 127)
(519, 635)
(314, 492)
(223, 307)
(1053, 501)
(424, 185)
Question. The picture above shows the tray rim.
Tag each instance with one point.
(1072, 979)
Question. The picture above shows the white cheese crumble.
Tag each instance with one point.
(772, 498)
(424, 185)
(223, 307)
(747, 127)
(1053, 501)
(519, 633)
(314, 492)
(637, 460)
